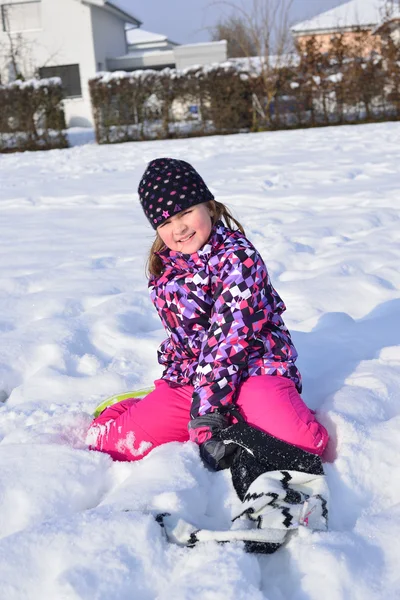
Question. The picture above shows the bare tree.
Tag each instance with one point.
(234, 31)
(13, 50)
(389, 32)
(265, 24)
(266, 29)
(16, 54)
(390, 9)
(389, 26)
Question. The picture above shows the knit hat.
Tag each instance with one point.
(169, 186)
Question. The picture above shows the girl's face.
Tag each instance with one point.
(188, 230)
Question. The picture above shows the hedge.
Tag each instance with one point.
(349, 83)
(32, 116)
(170, 103)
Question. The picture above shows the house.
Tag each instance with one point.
(141, 40)
(75, 39)
(148, 50)
(72, 39)
(348, 18)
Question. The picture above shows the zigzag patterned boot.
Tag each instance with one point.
(281, 486)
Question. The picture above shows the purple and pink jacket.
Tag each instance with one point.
(223, 320)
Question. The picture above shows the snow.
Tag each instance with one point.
(140, 36)
(33, 83)
(76, 325)
(335, 78)
(246, 67)
(350, 14)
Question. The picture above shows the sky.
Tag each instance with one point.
(188, 22)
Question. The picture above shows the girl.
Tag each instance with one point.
(227, 346)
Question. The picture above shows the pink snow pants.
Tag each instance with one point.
(130, 429)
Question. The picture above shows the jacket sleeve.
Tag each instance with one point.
(243, 301)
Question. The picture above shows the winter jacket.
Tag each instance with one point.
(223, 320)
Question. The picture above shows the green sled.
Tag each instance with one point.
(118, 397)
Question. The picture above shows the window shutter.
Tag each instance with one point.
(22, 17)
(70, 77)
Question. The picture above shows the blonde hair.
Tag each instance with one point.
(218, 212)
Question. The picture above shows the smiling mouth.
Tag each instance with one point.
(186, 239)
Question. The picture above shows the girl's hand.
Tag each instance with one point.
(205, 431)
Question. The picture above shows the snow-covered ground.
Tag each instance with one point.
(76, 325)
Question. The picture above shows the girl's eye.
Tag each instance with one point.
(187, 212)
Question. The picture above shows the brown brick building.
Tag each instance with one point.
(372, 17)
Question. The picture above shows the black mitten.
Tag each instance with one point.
(206, 431)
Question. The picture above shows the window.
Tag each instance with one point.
(70, 77)
(22, 16)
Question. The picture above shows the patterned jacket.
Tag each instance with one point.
(223, 319)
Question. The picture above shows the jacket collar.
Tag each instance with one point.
(181, 261)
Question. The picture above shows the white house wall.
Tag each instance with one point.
(179, 57)
(65, 39)
(200, 54)
(108, 36)
(145, 60)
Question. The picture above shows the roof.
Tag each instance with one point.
(390, 23)
(355, 13)
(140, 36)
(142, 39)
(117, 7)
(125, 12)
